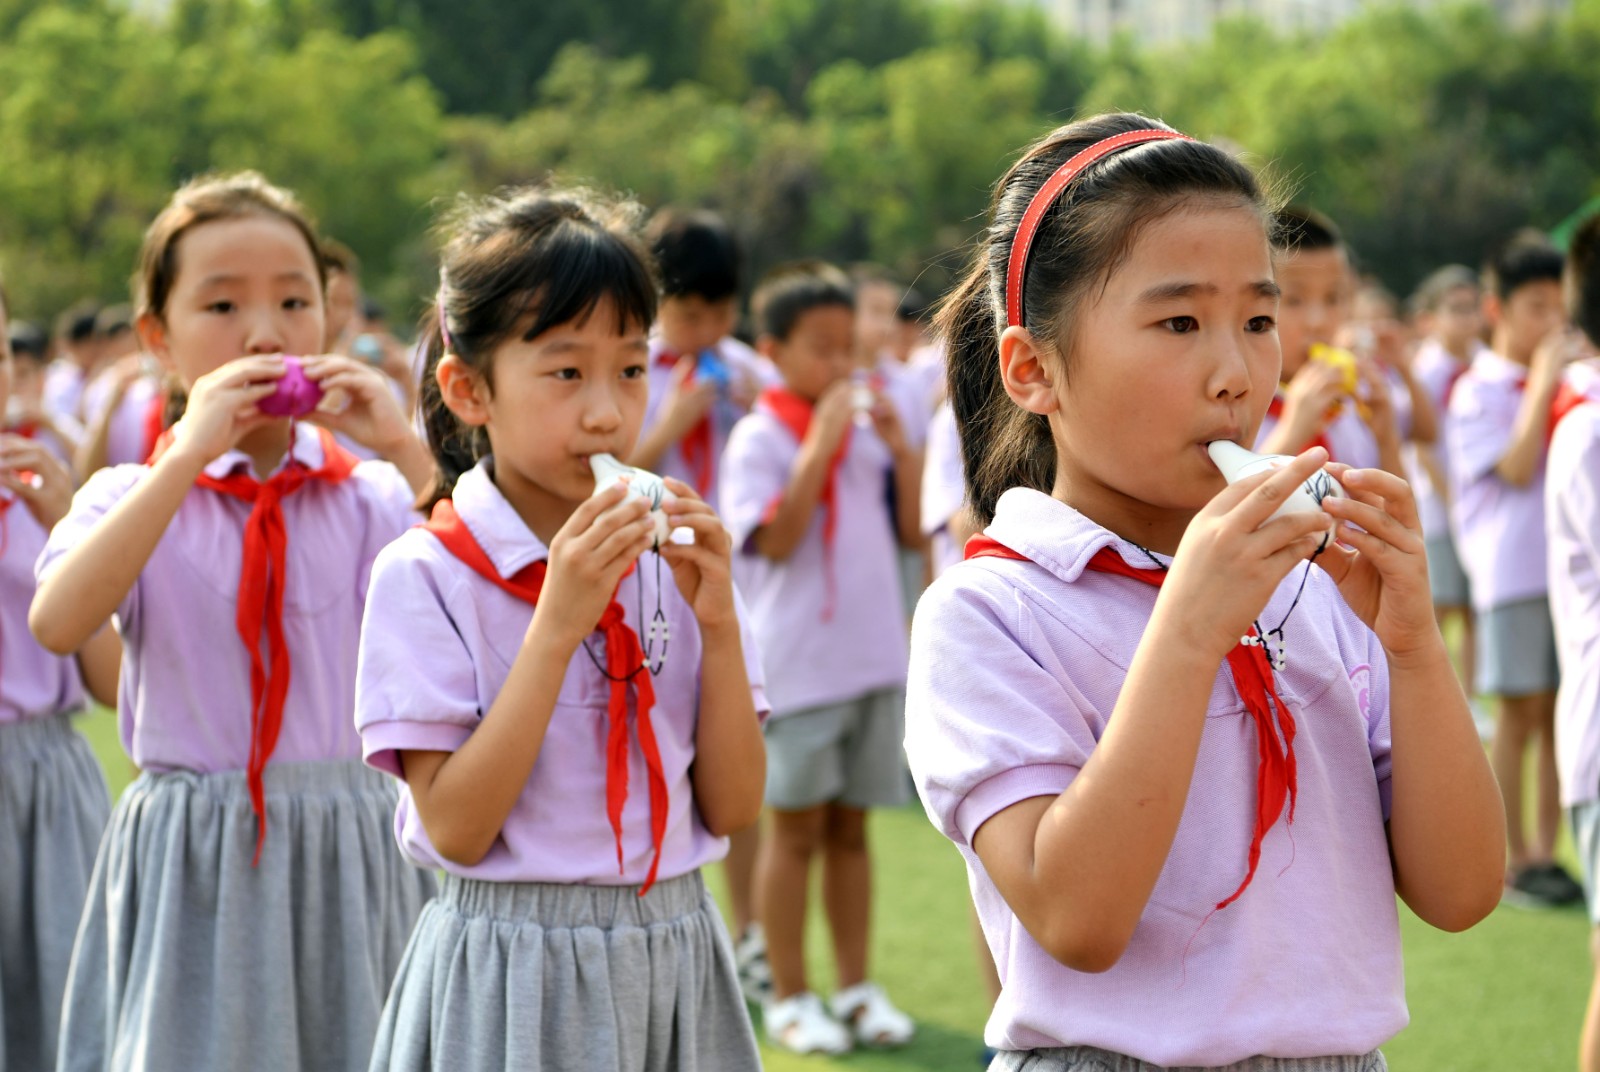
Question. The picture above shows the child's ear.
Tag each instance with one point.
(1493, 310)
(463, 390)
(1026, 373)
(768, 347)
(153, 338)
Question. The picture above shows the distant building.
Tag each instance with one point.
(1168, 21)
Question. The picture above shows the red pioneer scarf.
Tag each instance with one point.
(1252, 676)
(696, 444)
(794, 413)
(625, 664)
(261, 588)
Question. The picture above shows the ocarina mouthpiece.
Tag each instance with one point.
(1236, 463)
(640, 484)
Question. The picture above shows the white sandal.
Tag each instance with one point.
(865, 1008)
(800, 1024)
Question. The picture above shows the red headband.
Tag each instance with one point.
(1017, 269)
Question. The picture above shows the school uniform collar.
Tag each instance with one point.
(1494, 368)
(1054, 535)
(508, 542)
(305, 447)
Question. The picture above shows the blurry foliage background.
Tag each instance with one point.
(850, 129)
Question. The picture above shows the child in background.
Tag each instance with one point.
(1448, 308)
(805, 483)
(1117, 766)
(125, 405)
(702, 379)
(246, 910)
(1572, 523)
(53, 802)
(572, 930)
(1314, 404)
(77, 360)
(1496, 429)
(26, 414)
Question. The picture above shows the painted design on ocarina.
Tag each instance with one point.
(296, 394)
(640, 484)
(1237, 463)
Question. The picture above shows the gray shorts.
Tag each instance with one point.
(1091, 1059)
(1584, 818)
(850, 753)
(1445, 575)
(1517, 649)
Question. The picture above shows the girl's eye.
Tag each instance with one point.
(1262, 324)
(633, 372)
(296, 303)
(220, 307)
(1181, 325)
(566, 374)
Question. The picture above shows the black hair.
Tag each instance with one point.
(1431, 292)
(28, 338)
(76, 325)
(1300, 229)
(338, 257)
(113, 320)
(1081, 239)
(1526, 257)
(791, 290)
(914, 307)
(1582, 282)
(519, 264)
(695, 253)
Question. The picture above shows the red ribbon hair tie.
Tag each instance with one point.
(1054, 186)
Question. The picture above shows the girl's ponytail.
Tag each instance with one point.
(456, 448)
(1002, 445)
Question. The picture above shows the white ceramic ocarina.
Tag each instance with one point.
(1237, 463)
(641, 485)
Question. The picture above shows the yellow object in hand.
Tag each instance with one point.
(1349, 372)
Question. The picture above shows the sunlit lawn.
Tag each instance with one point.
(1507, 996)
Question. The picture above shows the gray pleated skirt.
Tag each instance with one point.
(536, 977)
(190, 958)
(1090, 1059)
(53, 808)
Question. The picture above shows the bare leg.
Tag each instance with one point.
(847, 890)
(783, 879)
(1511, 737)
(1589, 1041)
(1548, 814)
(740, 869)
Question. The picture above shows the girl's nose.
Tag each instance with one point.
(264, 335)
(601, 412)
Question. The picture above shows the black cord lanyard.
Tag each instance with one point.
(1280, 658)
(659, 631)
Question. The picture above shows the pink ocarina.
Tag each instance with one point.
(295, 396)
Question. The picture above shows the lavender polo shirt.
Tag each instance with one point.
(125, 438)
(1572, 518)
(1436, 370)
(33, 682)
(944, 490)
(184, 698)
(437, 644)
(1499, 527)
(741, 361)
(812, 659)
(1015, 670)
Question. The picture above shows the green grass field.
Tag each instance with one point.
(1507, 996)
